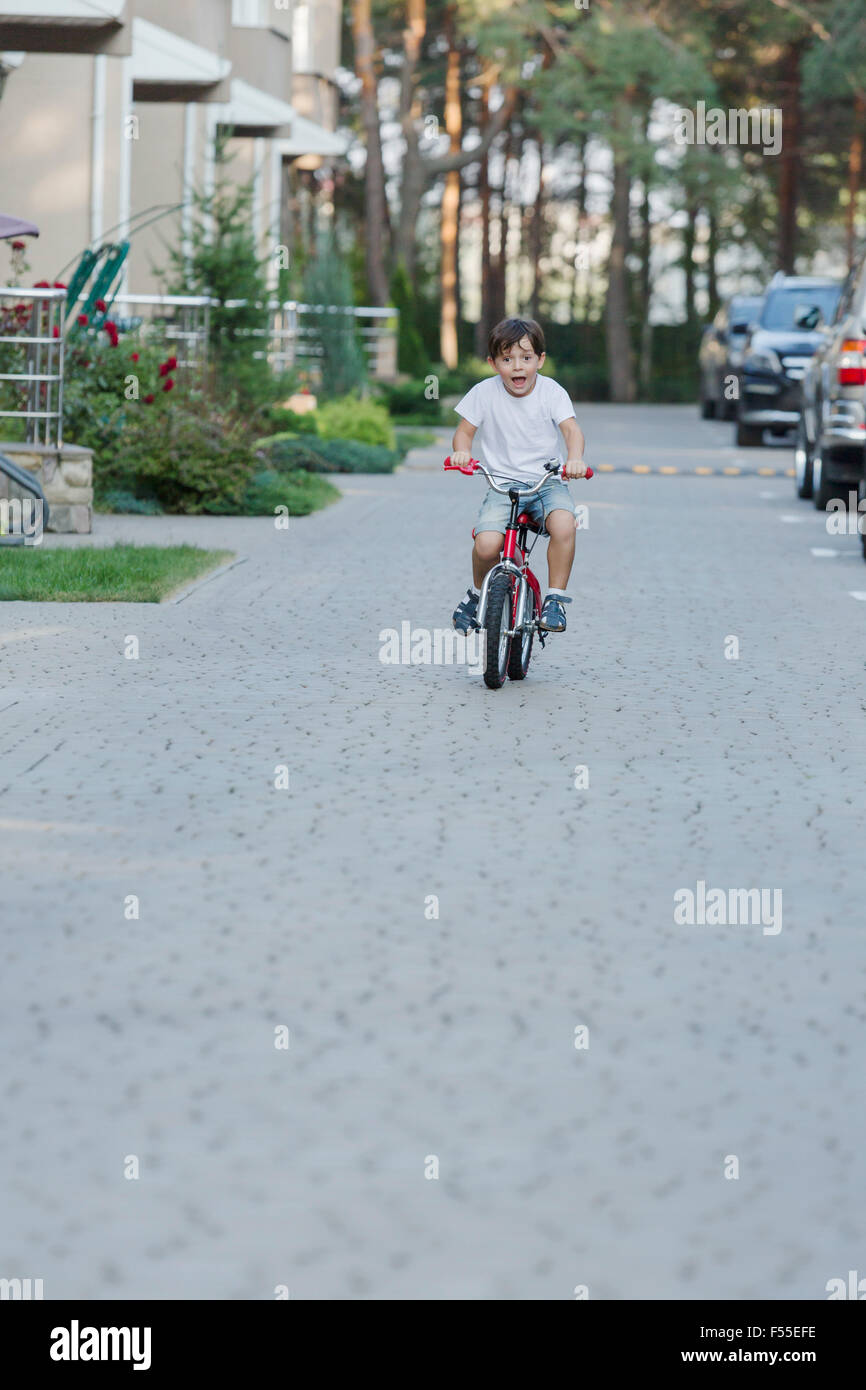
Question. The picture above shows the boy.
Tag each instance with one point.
(520, 415)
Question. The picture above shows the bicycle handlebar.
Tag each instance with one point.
(475, 465)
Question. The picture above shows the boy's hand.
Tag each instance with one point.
(460, 458)
(574, 468)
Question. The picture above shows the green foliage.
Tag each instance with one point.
(286, 453)
(194, 457)
(350, 418)
(411, 354)
(327, 282)
(300, 492)
(224, 264)
(414, 439)
(281, 419)
(350, 456)
(410, 398)
(119, 500)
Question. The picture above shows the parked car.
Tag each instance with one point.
(721, 354)
(778, 351)
(830, 457)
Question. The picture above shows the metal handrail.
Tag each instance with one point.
(26, 480)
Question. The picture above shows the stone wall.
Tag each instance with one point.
(66, 478)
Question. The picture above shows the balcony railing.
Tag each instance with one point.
(31, 362)
(32, 343)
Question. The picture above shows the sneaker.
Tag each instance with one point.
(553, 613)
(465, 613)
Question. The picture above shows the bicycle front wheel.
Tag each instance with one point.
(521, 643)
(497, 625)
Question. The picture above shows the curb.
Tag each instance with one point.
(206, 579)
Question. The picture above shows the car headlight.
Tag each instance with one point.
(765, 361)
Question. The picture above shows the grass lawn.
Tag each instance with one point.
(119, 573)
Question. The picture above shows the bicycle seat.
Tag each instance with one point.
(526, 520)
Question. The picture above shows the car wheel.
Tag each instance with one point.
(822, 488)
(708, 407)
(803, 461)
(749, 436)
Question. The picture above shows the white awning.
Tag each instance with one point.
(249, 106)
(309, 138)
(160, 56)
(77, 11)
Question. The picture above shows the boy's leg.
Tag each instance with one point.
(560, 549)
(485, 553)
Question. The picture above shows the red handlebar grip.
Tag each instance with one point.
(589, 472)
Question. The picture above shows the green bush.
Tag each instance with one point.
(119, 500)
(350, 418)
(287, 454)
(190, 458)
(350, 456)
(411, 356)
(282, 420)
(411, 398)
(300, 492)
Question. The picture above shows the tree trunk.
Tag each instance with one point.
(450, 219)
(619, 357)
(789, 161)
(645, 365)
(484, 324)
(580, 277)
(855, 169)
(689, 239)
(374, 179)
(712, 253)
(536, 235)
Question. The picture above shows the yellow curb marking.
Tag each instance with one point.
(732, 472)
(668, 469)
(605, 468)
(641, 468)
(703, 470)
(767, 472)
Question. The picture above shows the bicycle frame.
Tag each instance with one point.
(514, 562)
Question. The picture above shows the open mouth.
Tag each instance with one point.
(518, 381)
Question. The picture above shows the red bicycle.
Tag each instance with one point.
(509, 607)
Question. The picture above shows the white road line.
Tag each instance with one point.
(767, 496)
(792, 519)
(816, 550)
(858, 593)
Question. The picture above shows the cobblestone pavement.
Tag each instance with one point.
(411, 1037)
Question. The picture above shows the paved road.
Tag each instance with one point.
(411, 1037)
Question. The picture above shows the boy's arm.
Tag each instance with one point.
(575, 444)
(461, 444)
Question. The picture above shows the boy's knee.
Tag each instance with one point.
(488, 545)
(560, 525)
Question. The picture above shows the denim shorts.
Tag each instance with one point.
(496, 508)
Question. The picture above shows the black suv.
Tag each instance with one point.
(721, 354)
(778, 352)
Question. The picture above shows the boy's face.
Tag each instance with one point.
(518, 366)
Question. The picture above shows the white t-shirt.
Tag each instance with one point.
(517, 434)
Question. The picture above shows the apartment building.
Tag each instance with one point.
(110, 111)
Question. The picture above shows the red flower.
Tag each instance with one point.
(163, 369)
(56, 331)
(82, 319)
(19, 246)
(171, 363)
(58, 285)
(42, 285)
(168, 385)
(101, 305)
(148, 399)
(134, 356)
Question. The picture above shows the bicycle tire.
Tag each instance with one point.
(521, 652)
(498, 650)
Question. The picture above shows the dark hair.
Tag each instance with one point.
(510, 331)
